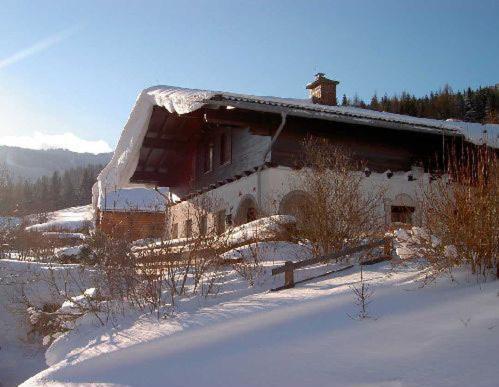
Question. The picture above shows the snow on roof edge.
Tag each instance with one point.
(117, 173)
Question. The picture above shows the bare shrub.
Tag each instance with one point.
(338, 209)
(184, 267)
(29, 244)
(249, 266)
(460, 213)
(114, 258)
(363, 296)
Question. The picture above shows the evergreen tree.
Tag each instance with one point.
(469, 109)
(374, 104)
(68, 191)
(481, 105)
(55, 190)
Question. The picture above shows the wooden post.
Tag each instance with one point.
(289, 279)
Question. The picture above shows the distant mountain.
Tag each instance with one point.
(32, 164)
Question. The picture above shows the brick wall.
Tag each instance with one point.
(132, 225)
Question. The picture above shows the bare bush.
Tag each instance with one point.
(249, 266)
(27, 244)
(338, 209)
(187, 267)
(460, 213)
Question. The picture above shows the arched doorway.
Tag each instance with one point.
(295, 203)
(247, 210)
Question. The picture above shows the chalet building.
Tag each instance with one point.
(133, 213)
(240, 152)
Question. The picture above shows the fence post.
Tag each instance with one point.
(289, 279)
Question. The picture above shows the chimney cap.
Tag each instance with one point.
(320, 79)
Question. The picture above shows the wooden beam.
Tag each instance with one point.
(165, 152)
(242, 119)
(162, 143)
(148, 176)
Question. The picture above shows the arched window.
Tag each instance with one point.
(295, 203)
(247, 210)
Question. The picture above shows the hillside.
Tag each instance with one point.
(32, 164)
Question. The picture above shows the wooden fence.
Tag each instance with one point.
(289, 267)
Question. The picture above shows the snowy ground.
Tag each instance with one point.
(21, 357)
(68, 219)
(445, 334)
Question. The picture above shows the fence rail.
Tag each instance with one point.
(289, 267)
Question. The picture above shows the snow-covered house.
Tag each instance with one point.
(135, 213)
(242, 150)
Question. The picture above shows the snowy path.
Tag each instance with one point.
(445, 335)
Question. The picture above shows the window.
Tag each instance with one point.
(225, 147)
(174, 231)
(251, 214)
(220, 222)
(208, 158)
(402, 214)
(188, 228)
(203, 225)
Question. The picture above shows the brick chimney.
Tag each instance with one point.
(323, 90)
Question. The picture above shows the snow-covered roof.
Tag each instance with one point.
(133, 199)
(181, 101)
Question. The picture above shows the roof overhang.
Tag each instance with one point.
(320, 114)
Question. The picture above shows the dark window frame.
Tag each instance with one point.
(174, 231)
(188, 228)
(402, 214)
(203, 225)
(208, 155)
(220, 222)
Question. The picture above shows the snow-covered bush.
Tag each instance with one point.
(52, 320)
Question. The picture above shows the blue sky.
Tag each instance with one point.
(71, 70)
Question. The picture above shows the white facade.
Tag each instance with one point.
(272, 186)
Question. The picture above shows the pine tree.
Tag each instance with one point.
(55, 191)
(469, 110)
(374, 104)
(68, 191)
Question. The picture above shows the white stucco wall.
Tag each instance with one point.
(277, 182)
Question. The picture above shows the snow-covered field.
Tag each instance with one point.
(444, 334)
(68, 219)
